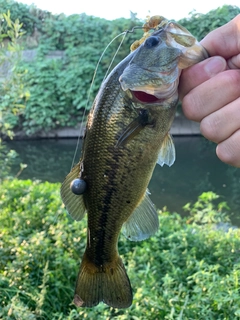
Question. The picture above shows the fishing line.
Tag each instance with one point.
(110, 65)
(123, 38)
(90, 89)
(94, 76)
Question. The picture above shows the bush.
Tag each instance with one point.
(201, 24)
(59, 89)
(31, 17)
(186, 271)
(12, 91)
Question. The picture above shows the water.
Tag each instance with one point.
(197, 169)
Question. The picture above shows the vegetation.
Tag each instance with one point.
(201, 24)
(188, 270)
(59, 88)
(12, 91)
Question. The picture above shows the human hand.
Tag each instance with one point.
(210, 91)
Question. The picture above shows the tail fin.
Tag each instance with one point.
(108, 283)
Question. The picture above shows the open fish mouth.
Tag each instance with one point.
(149, 95)
(153, 87)
(144, 97)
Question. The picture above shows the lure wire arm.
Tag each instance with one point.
(137, 27)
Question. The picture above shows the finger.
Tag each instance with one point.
(234, 62)
(200, 72)
(227, 117)
(228, 150)
(207, 98)
(224, 41)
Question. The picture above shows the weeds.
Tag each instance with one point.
(186, 271)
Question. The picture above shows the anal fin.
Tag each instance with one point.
(143, 222)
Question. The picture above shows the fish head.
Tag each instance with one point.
(153, 68)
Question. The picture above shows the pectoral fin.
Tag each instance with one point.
(73, 203)
(167, 154)
(133, 128)
(143, 222)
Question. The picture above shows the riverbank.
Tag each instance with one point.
(180, 127)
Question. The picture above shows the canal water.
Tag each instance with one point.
(196, 169)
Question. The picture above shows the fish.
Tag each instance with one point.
(127, 133)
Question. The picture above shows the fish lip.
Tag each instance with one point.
(161, 87)
(155, 82)
(154, 95)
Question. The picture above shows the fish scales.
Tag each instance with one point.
(110, 193)
(127, 133)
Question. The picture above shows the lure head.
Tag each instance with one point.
(78, 186)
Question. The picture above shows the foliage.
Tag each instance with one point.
(204, 212)
(12, 89)
(7, 159)
(11, 86)
(30, 16)
(201, 24)
(186, 271)
(60, 89)
(45, 109)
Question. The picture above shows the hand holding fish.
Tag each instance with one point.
(210, 91)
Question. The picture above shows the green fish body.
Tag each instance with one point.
(126, 135)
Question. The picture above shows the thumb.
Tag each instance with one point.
(200, 72)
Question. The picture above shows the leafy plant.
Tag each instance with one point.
(30, 16)
(7, 159)
(59, 90)
(201, 24)
(186, 271)
(207, 210)
(12, 90)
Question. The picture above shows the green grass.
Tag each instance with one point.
(186, 271)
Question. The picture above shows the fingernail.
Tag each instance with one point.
(215, 65)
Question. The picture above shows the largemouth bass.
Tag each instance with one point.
(126, 135)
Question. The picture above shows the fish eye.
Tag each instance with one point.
(151, 42)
